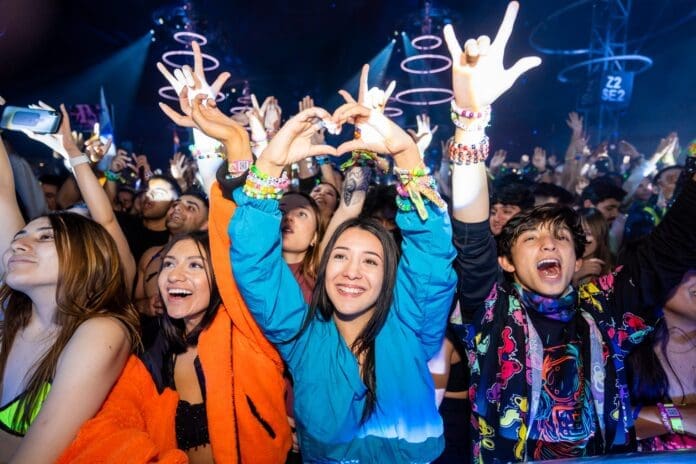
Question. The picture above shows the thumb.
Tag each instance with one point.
(522, 66)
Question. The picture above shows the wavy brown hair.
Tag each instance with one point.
(90, 284)
(312, 257)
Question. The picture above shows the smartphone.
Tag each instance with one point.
(38, 120)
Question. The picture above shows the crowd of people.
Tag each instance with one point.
(261, 303)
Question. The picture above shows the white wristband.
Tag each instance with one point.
(78, 160)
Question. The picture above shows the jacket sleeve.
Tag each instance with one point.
(425, 279)
(657, 265)
(476, 265)
(271, 292)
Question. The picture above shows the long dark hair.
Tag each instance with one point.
(647, 379)
(364, 344)
(174, 330)
(90, 284)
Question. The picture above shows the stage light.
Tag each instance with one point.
(152, 31)
(160, 20)
(393, 40)
(396, 32)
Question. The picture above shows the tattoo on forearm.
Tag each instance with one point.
(357, 180)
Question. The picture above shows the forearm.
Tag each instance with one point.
(9, 210)
(470, 202)
(102, 213)
(343, 213)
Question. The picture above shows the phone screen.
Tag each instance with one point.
(37, 120)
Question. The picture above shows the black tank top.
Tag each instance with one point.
(191, 419)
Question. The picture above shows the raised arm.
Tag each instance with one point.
(92, 192)
(478, 78)
(9, 210)
(264, 280)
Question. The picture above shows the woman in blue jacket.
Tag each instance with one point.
(358, 352)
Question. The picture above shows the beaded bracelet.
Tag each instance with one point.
(113, 176)
(460, 153)
(219, 153)
(483, 118)
(321, 160)
(413, 185)
(261, 186)
(671, 418)
(361, 158)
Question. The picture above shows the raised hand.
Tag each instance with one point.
(96, 149)
(375, 132)
(497, 159)
(373, 98)
(62, 141)
(424, 135)
(120, 161)
(478, 74)
(178, 166)
(195, 80)
(575, 123)
(214, 123)
(293, 142)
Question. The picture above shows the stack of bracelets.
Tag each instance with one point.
(413, 185)
(261, 186)
(360, 158)
(467, 154)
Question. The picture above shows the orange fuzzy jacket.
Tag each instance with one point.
(245, 389)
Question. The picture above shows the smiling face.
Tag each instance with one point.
(187, 214)
(326, 197)
(355, 273)
(32, 260)
(299, 225)
(184, 282)
(543, 260)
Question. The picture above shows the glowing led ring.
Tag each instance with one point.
(244, 99)
(426, 56)
(169, 93)
(186, 37)
(239, 109)
(166, 58)
(400, 96)
(393, 111)
(436, 42)
(644, 60)
(557, 51)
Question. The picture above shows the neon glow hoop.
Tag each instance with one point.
(400, 96)
(169, 93)
(244, 99)
(426, 56)
(393, 111)
(239, 109)
(186, 37)
(166, 58)
(645, 61)
(417, 42)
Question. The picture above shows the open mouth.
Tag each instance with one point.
(549, 268)
(286, 230)
(178, 293)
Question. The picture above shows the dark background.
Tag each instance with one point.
(64, 50)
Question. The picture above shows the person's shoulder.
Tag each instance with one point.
(102, 330)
